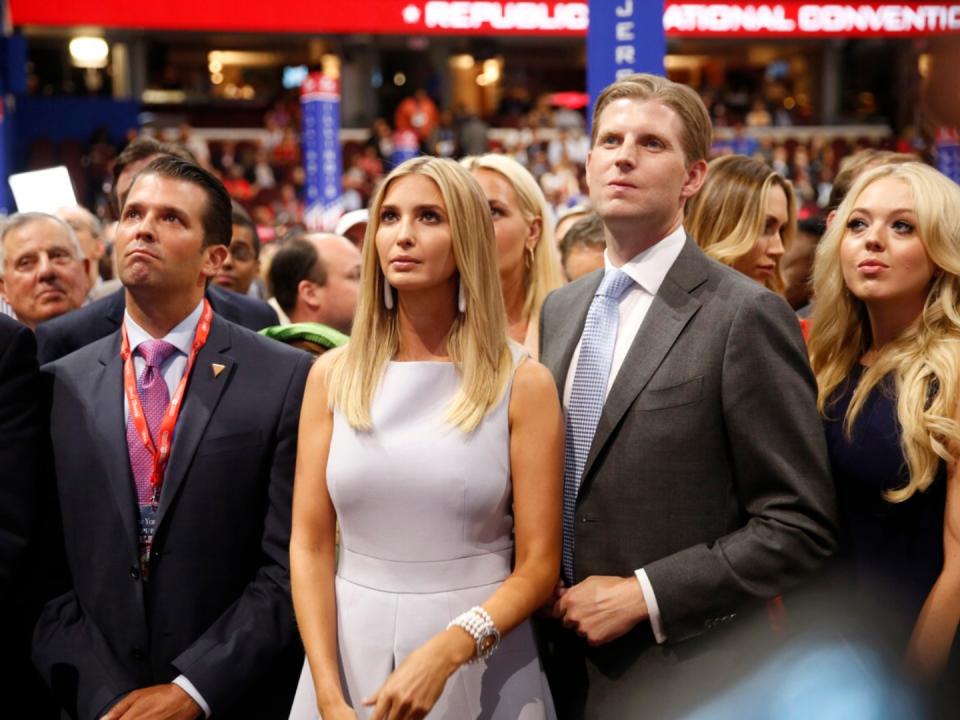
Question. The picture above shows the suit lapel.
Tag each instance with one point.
(202, 396)
(671, 310)
(106, 396)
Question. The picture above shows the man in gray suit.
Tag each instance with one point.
(696, 479)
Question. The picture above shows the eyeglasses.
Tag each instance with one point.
(242, 252)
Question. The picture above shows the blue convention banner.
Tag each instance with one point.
(948, 152)
(624, 36)
(320, 135)
(6, 198)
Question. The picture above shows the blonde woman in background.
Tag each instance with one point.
(439, 450)
(885, 347)
(744, 216)
(526, 253)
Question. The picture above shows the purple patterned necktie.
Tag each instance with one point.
(154, 397)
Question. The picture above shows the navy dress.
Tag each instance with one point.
(893, 552)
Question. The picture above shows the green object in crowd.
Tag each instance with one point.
(317, 333)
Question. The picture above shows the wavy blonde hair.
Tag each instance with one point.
(477, 342)
(727, 216)
(924, 360)
(543, 275)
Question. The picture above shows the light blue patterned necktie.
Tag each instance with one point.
(589, 394)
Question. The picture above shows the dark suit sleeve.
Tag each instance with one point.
(782, 479)
(260, 625)
(20, 433)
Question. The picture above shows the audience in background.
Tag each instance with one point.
(89, 231)
(581, 250)
(43, 272)
(526, 253)
(241, 269)
(314, 278)
(744, 216)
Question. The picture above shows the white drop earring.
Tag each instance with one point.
(387, 295)
(462, 299)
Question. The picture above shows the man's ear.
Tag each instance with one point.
(3, 290)
(696, 175)
(309, 293)
(213, 257)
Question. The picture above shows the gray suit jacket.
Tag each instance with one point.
(708, 468)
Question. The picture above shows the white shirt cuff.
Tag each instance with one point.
(653, 610)
(187, 686)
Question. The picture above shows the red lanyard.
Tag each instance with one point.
(169, 422)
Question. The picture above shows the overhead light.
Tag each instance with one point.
(462, 62)
(89, 52)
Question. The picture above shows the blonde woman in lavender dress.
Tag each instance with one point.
(437, 445)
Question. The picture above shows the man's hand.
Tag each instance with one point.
(159, 702)
(602, 607)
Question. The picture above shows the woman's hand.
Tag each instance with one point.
(412, 689)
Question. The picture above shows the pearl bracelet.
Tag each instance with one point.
(479, 625)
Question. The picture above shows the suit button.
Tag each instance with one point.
(137, 653)
(154, 555)
(583, 518)
(134, 572)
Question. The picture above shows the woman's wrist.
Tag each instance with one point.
(460, 646)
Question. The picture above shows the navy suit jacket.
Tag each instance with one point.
(62, 335)
(19, 446)
(217, 606)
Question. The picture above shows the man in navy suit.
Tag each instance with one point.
(179, 603)
(73, 330)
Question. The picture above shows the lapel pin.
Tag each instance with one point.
(217, 369)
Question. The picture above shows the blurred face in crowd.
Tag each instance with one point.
(761, 262)
(797, 267)
(582, 260)
(414, 241)
(336, 299)
(637, 173)
(128, 174)
(242, 264)
(515, 236)
(883, 258)
(565, 224)
(92, 246)
(43, 275)
(160, 237)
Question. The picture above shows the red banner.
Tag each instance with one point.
(496, 17)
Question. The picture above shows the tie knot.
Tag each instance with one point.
(615, 282)
(154, 352)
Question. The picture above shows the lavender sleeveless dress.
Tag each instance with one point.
(426, 532)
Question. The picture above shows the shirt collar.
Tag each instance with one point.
(650, 267)
(181, 337)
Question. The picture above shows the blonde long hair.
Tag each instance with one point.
(727, 216)
(477, 342)
(925, 359)
(543, 275)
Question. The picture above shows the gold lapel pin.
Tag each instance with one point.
(217, 369)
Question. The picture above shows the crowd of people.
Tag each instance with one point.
(474, 457)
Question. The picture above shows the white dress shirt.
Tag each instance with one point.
(172, 370)
(648, 270)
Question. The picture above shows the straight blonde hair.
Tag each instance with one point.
(727, 216)
(477, 342)
(543, 275)
(924, 360)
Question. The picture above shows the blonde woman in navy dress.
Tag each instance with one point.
(885, 346)
(437, 445)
